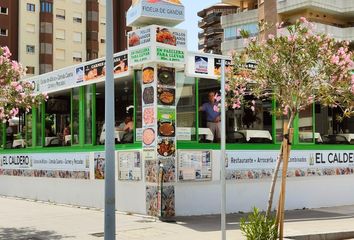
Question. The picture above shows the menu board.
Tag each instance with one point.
(194, 165)
(129, 165)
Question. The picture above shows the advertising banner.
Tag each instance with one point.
(260, 164)
(59, 165)
(79, 75)
(164, 12)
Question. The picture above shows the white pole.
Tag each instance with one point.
(109, 187)
(222, 157)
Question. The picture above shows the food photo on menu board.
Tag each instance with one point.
(169, 170)
(148, 95)
(166, 96)
(148, 136)
(120, 64)
(166, 128)
(166, 147)
(94, 71)
(164, 35)
(166, 76)
(149, 116)
(148, 75)
(166, 114)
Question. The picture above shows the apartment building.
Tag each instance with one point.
(334, 17)
(45, 35)
(212, 34)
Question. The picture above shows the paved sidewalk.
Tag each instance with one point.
(29, 220)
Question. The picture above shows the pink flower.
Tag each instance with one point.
(279, 25)
(19, 88)
(6, 52)
(236, 105)
(303, 20)
(335, 59)
(14, 84)
(253, 102)
(271, 36)
(274, 58)
(252, 108)
(227, 87)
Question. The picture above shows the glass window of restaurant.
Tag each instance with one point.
(124, 111)
(57, 119)
(75, 115)
(329, 129)
(186, 107)
(39, 126)
(88, 107)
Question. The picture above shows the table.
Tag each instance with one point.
(308, 135)
(185, 133)
(51, 140)
(256, 134)
(348, 136)
(118, 135)
(18, 143)
(67, 139)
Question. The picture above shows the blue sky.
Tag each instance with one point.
(191, 22)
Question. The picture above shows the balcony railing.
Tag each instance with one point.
(339, 6)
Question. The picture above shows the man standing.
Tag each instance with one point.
(213, 116)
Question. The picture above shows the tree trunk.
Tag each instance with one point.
(276, 170)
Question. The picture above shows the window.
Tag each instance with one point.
(30, 28)
(46, 48)
(92, 16)
(77, 18)
(57, 120)
(77, 56)
(60, 54)
(103, 21)
(77, 37)
(30, 49)
(233, 32)
(30, 70)
(46, 27)
(44, 68)
(88, 113)
(4, 10)
(103, 40)
(75, 113)
(186, 106)
(60, 34)
(3, 32)
(60, 14)
(46, 7)
(329, 130)
(31, 7)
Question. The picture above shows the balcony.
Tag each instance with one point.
(232, 44)
(201, 24)
(214, 30)
(345, 7)
(201, 34)
(213, 42)
(239, 18)
(333, 31)
(201, 46)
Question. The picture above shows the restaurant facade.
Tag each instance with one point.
(55, 152)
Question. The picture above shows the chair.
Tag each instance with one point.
(128, 137)
(236, 137)
(55, 142)
(260, 140)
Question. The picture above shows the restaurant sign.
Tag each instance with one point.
(256, 164)
(164, 12)
(63, 165)
(80, 75)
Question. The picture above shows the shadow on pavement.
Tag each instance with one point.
(212, 222)
(28, 234)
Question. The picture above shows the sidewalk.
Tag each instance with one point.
(29, 220)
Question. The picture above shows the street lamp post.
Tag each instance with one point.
(109, 187)
(222, 157)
